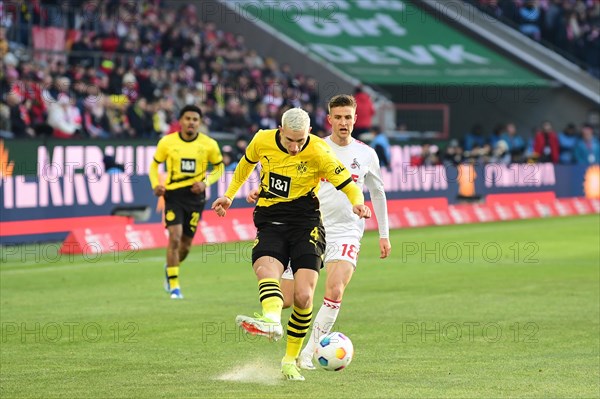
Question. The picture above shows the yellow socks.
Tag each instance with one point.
(296, 331)
(173, 275)
(271, 298)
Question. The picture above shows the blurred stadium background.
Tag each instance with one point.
(491, 108)
(476, 98)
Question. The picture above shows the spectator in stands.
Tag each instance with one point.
(140, 119)
(500, 154)
(495, 136)
(516, 143)
(427, 157)
(80, 51)
(20, 121)
(61, 86)
(474, 138)
(566, 142)
(453, 154)
(364, 112)
(381, 145)
(480, 154)
(116, 108)
(545, 144)
(587, 149)
(64, 118)
(530, 19)
(95, 120)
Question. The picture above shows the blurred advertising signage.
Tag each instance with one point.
(64, 176)
(386, 41)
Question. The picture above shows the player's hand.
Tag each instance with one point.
(252, 196)
(160, 190)
(385, 248)
(221, 205)
(362, 211)
(198, 187)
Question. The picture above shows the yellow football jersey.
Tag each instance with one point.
(291, 180)
(187, 161)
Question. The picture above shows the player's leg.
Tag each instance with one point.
(287, 287)
(175, 220)
(268, 256)
(341, 257)
(193, 215)
(184, 247)
(306, 262)
(305, 282)
(172, 269)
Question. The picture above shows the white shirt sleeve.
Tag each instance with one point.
(374, 183)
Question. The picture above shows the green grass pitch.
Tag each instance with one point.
(499, 310)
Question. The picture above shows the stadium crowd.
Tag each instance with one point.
(128, 68)
(571, 26)
(130, 76)
(504, 145)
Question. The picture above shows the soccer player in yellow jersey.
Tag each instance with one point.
(288, 222)
(187, 154)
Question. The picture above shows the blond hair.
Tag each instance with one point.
(295, 119)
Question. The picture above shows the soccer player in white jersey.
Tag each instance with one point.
(343, 230)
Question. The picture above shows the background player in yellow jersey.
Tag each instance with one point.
(288, 223)
(187, 154)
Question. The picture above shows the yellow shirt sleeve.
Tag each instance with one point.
(216, 159)
(160, 156)
(242, 172)
(354, 194)
(340, 177)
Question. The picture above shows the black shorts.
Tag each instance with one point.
(185, 208)
(301, 245)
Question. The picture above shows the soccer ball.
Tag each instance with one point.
(334, 351)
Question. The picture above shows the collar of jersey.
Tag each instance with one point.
(282, 148)
(188, 141)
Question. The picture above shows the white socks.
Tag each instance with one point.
(322, 324)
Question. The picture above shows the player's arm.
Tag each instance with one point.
(374, 183)
(159, 157)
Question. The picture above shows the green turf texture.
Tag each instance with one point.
(498, 310)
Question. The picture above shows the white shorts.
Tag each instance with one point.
(338, 248)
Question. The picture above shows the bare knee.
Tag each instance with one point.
(174, 242)
(335, 292)
(184, 250)
(303, 299)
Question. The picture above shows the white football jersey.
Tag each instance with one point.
(336, 210)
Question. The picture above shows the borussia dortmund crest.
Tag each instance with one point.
(302, 168)
(170, 215)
